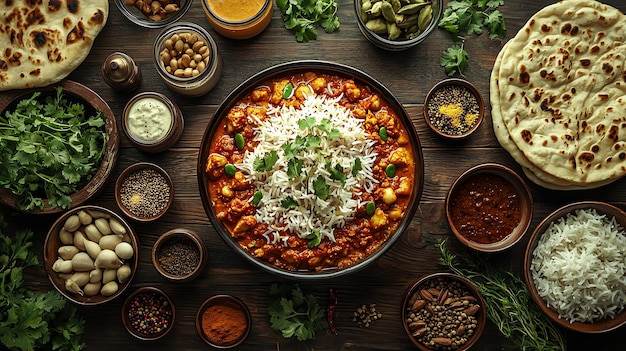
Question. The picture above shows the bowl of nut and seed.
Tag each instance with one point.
(153, 13)
(144, 191)
(443, 311)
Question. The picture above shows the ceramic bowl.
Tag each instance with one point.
(597, 326)
(495, 225)
(133, 198)
(179, 255)
(229, 303)
(448, 290)
(92, 102)
(454, 108)
(138, 17)
(57, 241)
(402, 43)
(143, 299)
(295, 68)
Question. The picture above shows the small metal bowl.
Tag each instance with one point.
(136, 16)
(231, 302)
(459, 126)
(504, 180)
(140, 192)
(134, 300)
(599, 326)
(185, 237)
(420, 296)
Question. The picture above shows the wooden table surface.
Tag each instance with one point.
(409, 75)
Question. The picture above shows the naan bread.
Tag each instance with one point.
(42, 41)
(558, 95)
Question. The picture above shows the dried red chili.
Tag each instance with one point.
(330, 311)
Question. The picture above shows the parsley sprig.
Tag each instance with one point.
(49, 149)
(294, 313)
(302, 17)
(469, 17)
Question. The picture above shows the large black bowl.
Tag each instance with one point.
(318, 67)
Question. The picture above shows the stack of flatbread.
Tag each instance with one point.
(558, 95)
(41, 42)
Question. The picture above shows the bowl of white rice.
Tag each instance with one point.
(575, 266)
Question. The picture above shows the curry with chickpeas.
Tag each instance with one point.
(311, 171)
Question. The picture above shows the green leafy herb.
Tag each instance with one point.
(302, 17)
(295, 314)
(507, 301)
(315, 238)
(326, 126)
(294, 167)
(266, 163)
(320, 187)
(289, 202)
(357, 167)
(469, 17)
(32, 320)
(336, 172)
(49, 149)
(305, 123)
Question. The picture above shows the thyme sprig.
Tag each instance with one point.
(508, 302)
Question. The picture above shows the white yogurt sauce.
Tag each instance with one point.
(149, 119)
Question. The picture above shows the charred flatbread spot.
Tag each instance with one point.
(73, 6)
(607, 68)
(21, 75)
(35, 17)
(566, 28)
(512, 97)
(566, 97)
(568, 137)
(572, 162)
(526, 135)
(54, 5)
(586, 157)
(524, 77)
(8, 2)
(595, 49)
(33, 2)
(39, 38)
(76, 34)
(585, 62)
(595, 148)
(67, 23)
(600, 128)
(538, 93)
(14, 60)
(613, 133)
(545, 143)
(3, 65)
(574, 30)
(609, 159)
(603, 96)
(54, 55)
(97, 18)
(622, 155)
(573, 90)
(554, 138)
(35, 72)
(545, 28)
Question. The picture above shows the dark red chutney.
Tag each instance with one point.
(485, 208)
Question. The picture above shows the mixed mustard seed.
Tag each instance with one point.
(145, 193)
(453, 109)
(179, 256)
(365, 315)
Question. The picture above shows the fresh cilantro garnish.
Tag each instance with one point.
(302, 17)
(266, 163)
(326, 126)
(305, 123)
(315, 238)
(294, 167)
(31, 320)
(320, 188)
(49, 149)
(357, 167)
(295, 314)
(469, 17)
(336, 172)
(289, 202)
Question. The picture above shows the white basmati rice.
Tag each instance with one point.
(579, 267)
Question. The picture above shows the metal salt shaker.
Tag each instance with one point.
(121, 72)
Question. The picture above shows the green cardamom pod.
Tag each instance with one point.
(388, 12)
(377, 25)
(425, 17)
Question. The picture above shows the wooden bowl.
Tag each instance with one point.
(150, 294)
(141, 191)
(179, 235)
(412, 316)
(598, 326)
(489, 227)
(92, 103)
(54, 241)
(438, 122)
(230, 303)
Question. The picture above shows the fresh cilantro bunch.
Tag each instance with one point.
(49, 149)
(302, 17)
(295, 314)
(32, 320)
(469, 17)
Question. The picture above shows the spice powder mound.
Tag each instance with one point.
(453, 110)
(223, 323)
(179, 256)
(145, 193)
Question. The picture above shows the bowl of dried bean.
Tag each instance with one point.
(153, 13)
(443, 311)
(454, 108)
(179, 255)
(144, 191)
(148, 313)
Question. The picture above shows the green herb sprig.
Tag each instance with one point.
(49, 150)
(295, 314)
(32, 320)
(469, 17)
(303, 16)
(508, 302)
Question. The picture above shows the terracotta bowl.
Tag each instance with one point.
(92, 103)
(141, 191)
(437, 96)
(598, 326)
(161, 252)
(139, 18)
(420, 297)
(141, 297)
(55, 240)
(231, 302)
(492, 229)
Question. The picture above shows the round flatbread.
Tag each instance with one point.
(44, 41)
(557, 95)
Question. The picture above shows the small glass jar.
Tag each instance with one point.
(178, 71)
(152, 122)
(238, 19)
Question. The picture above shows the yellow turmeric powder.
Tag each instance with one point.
(453, 112)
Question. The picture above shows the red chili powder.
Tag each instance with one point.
(223, 324)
